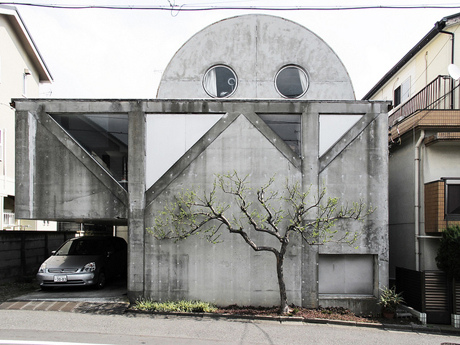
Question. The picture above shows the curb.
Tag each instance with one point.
(428, 329)
(124, 308)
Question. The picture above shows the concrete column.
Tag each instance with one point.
(24, 160)
(136, 194)
(382, 175)
(310, 146)
(310, 168)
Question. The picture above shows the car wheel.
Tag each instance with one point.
(101, 280)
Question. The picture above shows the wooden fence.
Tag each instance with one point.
(428, 292)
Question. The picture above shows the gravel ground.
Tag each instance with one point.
(330, 313)
(14, 289)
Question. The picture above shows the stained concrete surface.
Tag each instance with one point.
(114, 292)
(363, 154)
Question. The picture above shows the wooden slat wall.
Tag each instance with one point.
(456, 298)
(438, 302)
(436, 291)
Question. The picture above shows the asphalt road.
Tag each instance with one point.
(132, 329)
(34, 327)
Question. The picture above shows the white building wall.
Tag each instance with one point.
(424, 67)
(438, 160)
(401, 208)
(441, 160)
(18, 78)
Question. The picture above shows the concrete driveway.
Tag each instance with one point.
(114, 292)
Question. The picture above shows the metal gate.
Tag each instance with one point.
(429, 292)
(456, 297)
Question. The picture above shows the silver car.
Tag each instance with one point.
(83, 261)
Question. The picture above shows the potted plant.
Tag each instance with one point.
(389, 301)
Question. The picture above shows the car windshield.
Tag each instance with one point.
(82, 247)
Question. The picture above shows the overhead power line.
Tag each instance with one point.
(191, 8)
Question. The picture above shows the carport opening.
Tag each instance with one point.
(109, 260)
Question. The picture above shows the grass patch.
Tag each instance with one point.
(15, 289)
(179, 306)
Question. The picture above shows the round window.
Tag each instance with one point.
(291, 81)
(220, 81)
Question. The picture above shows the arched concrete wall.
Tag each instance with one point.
(256, 47)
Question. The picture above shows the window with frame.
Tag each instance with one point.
(291, 81)
(401, 93)
(103, 136)
(220, 81)
(397, 96)
(452, 199)
(287, 126)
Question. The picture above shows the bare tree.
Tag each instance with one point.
(271, 212)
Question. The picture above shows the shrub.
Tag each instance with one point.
(448, 257)
(175, 306)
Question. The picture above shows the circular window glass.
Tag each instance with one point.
(291, 82)
(220, 81)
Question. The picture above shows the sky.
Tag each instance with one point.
(101, 53)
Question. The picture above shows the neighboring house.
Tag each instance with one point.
(424, 147)
(257, 94)
(22, 69)
(424, 141)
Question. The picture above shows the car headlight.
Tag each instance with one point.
(89, 267)
(42, 268)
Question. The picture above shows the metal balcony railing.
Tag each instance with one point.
(8, 219)
(441, 93)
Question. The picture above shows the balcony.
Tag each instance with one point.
(9, 220)
(442, 93)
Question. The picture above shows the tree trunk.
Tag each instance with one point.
(284, 307)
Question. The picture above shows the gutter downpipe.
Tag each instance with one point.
(417, 199)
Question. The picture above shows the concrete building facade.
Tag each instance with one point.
(282, 108)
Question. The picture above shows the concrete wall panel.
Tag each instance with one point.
(228, 272)
(359, 172)
(76, 188)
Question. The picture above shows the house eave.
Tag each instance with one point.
(27, 42)
(438, 27)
